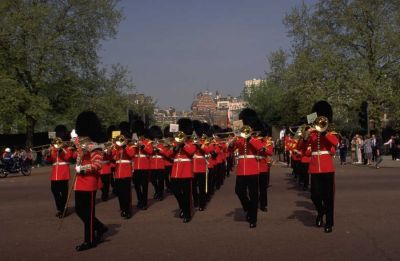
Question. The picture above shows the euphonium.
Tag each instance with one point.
(245, 132)
(321, 123)
(121, 140)
(180, 136)
(57, 143)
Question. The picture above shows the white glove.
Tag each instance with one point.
(78, 168)
(73, 134)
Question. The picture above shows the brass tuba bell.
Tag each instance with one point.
(180, 136)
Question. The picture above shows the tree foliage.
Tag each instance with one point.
(49, 63)
(343, 51)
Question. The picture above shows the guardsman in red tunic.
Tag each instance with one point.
(263, 161)
(122, 153)
(168, 138)
(157, 162)
(200, 165)
(88, 172)
(144, 150)
(105, 172)
(182, 168)
(60, 156)
(304, 163)
(247, 172)
(321, 167)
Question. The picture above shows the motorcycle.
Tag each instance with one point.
(17, 166)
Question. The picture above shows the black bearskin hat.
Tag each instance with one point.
(323, 108)
(185, 125)
(248, 116)
(125, 129)
(198, 127)
(155, 132)
(62, 132)
(207, 129)
(167, 133)
(138, 128)
(88, 125)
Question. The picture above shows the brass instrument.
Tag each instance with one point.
(121, 140)
(245, 131)
(321, 123)
(180, 136)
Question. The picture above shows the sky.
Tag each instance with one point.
(177, 48)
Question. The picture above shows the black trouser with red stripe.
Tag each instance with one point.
(124, 192)
(263, 185)
(141, 181)
(246, 189)
(85, 209)
(211, 182)
(59, 188)
(199, 190)
(182, 189)
(323, 194)
(157, 179)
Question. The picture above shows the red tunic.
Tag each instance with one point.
(199, 157)
(106, 164)
(321, 155)
(157, 159)
(183, 165)
(123, 161)
(247, 160)
(142, 157)
(60, 169)
(91, 161)
(263, 156)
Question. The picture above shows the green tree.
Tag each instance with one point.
(47, 48)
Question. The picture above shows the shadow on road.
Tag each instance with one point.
(238, 215)
(305, 204)
(304, 216)
(113, 229)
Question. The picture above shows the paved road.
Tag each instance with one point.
(366, 223)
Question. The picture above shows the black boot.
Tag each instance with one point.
(85, 246)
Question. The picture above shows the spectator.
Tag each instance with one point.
(367, 146)
(392, 147)
(343, 145)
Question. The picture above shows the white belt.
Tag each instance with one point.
(156, 157)
(105, 162)
(247, 157)
(141, 156)
(261, 157)
(182, 160)
(60, 163)
(198, 157)
(123, 161)
(320, 152)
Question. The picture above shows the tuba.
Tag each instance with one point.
(180, 136)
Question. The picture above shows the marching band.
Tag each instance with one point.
(191, 163)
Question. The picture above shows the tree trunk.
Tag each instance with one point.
(30, 130)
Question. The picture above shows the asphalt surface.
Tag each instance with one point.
(366, 223)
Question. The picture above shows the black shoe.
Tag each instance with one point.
(252, 225)
(59, 214)
(104, 197)
(201, 209)
(144, 207)
(128, 215)
(123, 214)
(328, 229)
(181, 214)
(186, 220)
(318, 221)
(263, 209)
(85, 246)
